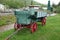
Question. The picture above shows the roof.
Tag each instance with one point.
(34, 6)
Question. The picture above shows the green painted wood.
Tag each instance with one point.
(23, 17)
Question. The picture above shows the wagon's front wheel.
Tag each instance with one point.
(17, 26)
(33, 27)
(43, 21)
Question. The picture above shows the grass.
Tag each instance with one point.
(6, 19)
(51, 31)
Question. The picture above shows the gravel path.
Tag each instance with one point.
(51, 14)
(6, 27)
(4, 14)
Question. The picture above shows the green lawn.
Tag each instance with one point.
(51, 31)
(4, 20)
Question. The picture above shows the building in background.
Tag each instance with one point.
(2, 7)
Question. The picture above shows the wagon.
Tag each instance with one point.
(29, 17)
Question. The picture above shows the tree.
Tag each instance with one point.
(53, 5)
(59, 4)
(15, 3)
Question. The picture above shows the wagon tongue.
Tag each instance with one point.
(13, 33)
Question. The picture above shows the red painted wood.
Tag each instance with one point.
(33, 27)
(44, 21)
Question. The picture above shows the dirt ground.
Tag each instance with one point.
(6, 27)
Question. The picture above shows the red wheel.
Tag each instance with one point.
(44, 21)
(16, 26)
(33, 27)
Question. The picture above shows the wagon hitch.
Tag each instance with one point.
(13, 33)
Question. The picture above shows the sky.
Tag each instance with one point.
(46, 1)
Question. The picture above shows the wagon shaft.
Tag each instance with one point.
(13, 33)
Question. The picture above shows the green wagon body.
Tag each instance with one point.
(23, 16)
(28, 16)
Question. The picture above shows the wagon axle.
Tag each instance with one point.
(33, 26)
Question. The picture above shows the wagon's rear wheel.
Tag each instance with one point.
(33, 27)
(43, 21)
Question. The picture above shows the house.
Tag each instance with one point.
(2, 7)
